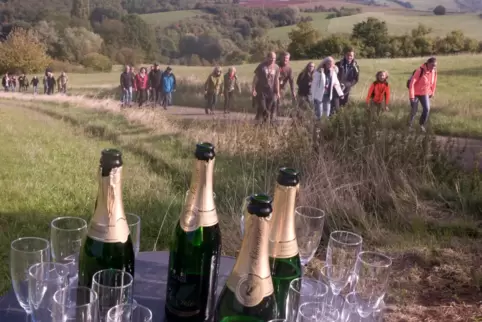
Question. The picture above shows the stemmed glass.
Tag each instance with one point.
(303, 290)
(25, 252)
(134, 223)
(74, 304)
(66, 235)
(372, 270)
(309, 228)
(44, 280)
(342, 251)
(337, 277)
(114, 287)
(129, 313)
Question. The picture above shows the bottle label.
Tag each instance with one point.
(250, 289)
(109, 223)
(200, 209)
(250, 279)
(282, 241)
(183, 290)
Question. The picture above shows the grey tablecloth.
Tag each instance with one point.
(149, 288)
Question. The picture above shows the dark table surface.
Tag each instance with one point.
(149, 287)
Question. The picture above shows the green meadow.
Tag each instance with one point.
(398, 23)
(164, 19)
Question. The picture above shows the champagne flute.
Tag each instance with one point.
(129, 313)
(66, 235)
(372, 271)
(134, 223)
(25, 252)
(310, 312)
(343, 249)
(337, 277)
(75, 304)
(44, 280)
(114, 287)
(309, 228)
(303, 290)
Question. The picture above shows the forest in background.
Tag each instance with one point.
(99, 33)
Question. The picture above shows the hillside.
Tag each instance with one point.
(398, 24)
(164, 19)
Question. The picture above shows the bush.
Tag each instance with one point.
(129, 56)
(439, 10)
(63, 66)
(97, 62)
(23, 51)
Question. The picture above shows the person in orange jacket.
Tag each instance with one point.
(379, 93)
(421, 88)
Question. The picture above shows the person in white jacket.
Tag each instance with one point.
(324, 82)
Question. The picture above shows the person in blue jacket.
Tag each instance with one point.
(168, 86)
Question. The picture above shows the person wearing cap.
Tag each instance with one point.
(213, 88)
(167, 87)
(154, 84)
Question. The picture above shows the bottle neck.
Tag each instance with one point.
(282, 239)
(250, 279)
(109, 223)
(200, 209)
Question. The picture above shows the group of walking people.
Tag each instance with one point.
(326, 88)
(10, 82)
(155, 87)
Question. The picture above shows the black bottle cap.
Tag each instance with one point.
(204, 151)
(288, 177)
(260, 205)
(110, 158)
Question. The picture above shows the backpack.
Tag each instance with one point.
(410, 78)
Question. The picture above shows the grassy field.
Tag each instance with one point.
(428, 222)
(164, 19)
(397, 23)
(456, 108)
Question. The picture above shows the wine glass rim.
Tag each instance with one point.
(69, 289)
(59, 265)
(133, 305)
(116, 271)
(320, 303)
(312, 208)
(138, 218)
(350, 233)
(21, 239)
(307, 279)
(381, 256)
(55, 220)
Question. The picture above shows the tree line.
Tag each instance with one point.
(97, 33)
(372, 40)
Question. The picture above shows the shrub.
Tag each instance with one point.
(129, 56)
(97, 62)
(23, 51)
(439, 10)
(63, 66)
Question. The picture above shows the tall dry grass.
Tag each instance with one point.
(396, 188)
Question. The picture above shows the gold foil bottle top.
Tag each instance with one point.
(250, 279)
(200, 209)
(109, 223)
(282, 240)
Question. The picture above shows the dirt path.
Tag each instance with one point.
(466, 151)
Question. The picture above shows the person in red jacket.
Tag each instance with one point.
(379, 93)
(142, 85)
(421, 88)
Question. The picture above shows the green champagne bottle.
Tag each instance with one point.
(195, 248)
(108, 243)
(283, 248)
(248, 294)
